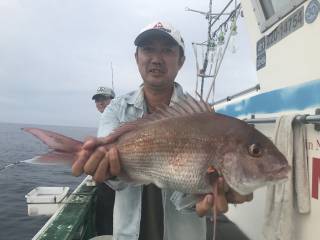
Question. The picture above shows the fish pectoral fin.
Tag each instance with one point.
(159, 184)
(211, 169)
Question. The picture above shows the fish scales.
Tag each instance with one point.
(173, 153)
(176, 152)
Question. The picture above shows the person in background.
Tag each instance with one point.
(105, 194)
(103, 97)
(148, 212)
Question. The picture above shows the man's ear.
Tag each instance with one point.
(136, 56)
(181, 61)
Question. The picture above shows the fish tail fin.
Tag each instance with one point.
(55, 141)
(53, 158)
(64, 149)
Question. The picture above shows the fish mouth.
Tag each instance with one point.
(279, 174)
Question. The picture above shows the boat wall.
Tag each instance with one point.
(289, 84)
(250, 217)
(303, 98)
(299, 98)
(292, 59)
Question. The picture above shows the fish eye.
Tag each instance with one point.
(255, 150)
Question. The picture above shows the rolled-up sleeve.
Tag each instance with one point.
(109, 119)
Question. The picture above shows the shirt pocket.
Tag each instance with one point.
(131, 114)
(183, 201)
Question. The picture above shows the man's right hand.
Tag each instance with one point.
(96, 160)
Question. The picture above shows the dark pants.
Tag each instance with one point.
(104, 209)
(226, 230)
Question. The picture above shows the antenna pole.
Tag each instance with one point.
(112, 76)
(213, 39)
(202, 72)
(205, 62)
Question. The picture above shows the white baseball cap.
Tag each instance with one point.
(161, 28)
(104, 91)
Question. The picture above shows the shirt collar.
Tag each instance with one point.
(137, 98)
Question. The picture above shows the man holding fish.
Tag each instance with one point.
(146, 211)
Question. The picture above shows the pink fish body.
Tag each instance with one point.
(176, 146)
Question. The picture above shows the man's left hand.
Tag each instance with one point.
(224, 196)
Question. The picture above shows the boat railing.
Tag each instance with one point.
(255, 88)
(305, 119)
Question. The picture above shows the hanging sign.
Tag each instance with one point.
(315, 177)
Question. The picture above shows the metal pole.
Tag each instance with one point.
(205, 62)
(306, 119)
(112, 76)
(220, 62)
(221, 13)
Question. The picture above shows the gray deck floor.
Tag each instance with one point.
(226, 230)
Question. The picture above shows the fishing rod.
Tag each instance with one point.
(111, 76)
(30, 161)
(11, 165)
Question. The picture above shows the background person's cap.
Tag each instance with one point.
(104, 91)
(163, 28)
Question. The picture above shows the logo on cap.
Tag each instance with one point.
(160, 27)
(105, 92)
(101, 89)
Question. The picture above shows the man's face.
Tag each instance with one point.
(159, 62)
(102, 102)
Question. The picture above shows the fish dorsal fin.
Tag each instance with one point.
(186, 105)
(211, 107)
(122, 129)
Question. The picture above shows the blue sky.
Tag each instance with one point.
(54, 54)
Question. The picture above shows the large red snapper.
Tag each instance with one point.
(178, 147)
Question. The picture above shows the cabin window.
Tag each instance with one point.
(269, 12)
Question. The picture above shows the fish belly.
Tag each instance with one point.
(165, 158)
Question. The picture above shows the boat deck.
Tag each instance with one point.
(74, 219)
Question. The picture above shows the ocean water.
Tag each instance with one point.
(20, 178)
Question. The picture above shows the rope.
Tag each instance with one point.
(197, 64)
(10, 165)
